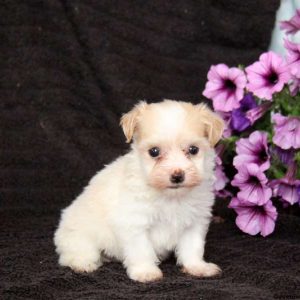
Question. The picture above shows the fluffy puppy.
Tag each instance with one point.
(154, 200)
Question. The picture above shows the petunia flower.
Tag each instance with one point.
(252, 183)
(257, 112)
(285, 156)
(293, 25)
(254, 219)
(225, 87)
(295, 77)
(293, 54)
(239, 121)
(287, 131)
(287, 187)
(267, 76)
(226, 116)
(221, 178)
(253, 149)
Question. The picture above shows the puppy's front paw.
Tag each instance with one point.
(145, 273)
(80, 264)
(202, 269)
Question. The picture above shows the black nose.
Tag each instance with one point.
(177, 177)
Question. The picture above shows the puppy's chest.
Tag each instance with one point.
(168, 224)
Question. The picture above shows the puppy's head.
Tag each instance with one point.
(174, 141)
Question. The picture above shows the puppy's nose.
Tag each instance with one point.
(177, 177)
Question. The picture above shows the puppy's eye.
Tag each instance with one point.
(193, 150)
(154, 152)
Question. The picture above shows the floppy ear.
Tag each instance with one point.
(129, 121)
(214, 124)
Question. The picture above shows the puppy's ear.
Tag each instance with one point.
(129, 121)
(214, 124)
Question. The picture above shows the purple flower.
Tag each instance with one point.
(287, 187)
(293, 54)
(267, 76)
(221, 179)
(252, 183)
(293, 25)
(253, 149)
(254, 219)
(287, 131)
(225, 87)
(298, 191)
(295, 76)
(226, 116)
(285, 156)
(257, 112)
(239, 121)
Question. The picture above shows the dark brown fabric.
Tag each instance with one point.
(69, 69)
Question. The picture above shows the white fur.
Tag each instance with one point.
(119, 215)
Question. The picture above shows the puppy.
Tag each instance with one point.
(154, 200)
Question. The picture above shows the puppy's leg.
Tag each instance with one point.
(190, 250)
(140, 259)
(77, 250)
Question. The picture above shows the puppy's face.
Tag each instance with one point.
(171, 139)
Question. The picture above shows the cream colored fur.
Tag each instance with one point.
(130, 211)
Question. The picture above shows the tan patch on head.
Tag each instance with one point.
(173, 120)
(214, 124)
(170, 121)
(130, 120)
(204, 121)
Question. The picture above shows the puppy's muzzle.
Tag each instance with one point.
(177, 177)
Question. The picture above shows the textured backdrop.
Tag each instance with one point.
(69, 69)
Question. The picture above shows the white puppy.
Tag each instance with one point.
(151, 201)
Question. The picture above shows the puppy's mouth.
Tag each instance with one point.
(181, 186)
(174, 187)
